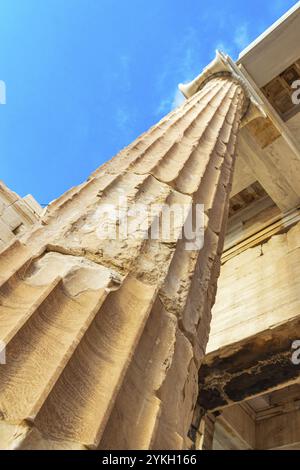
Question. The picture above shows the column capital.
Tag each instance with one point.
(222, 64)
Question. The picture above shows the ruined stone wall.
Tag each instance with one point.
(257, 290)
(255, 324)
(16, 214)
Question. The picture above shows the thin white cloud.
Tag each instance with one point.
(278, 5)
(178, 99)
(122, 118)
(2, 92)
(182, 65)
(241, 36)
(223, 47)
(168, 104)
(123, 73)
(164, 106)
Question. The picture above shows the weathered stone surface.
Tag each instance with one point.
(105, 336)
(255, 324)
(267, 283)
(16, 214)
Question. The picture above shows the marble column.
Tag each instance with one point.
(105, 333)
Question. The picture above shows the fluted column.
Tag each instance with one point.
(105, 335)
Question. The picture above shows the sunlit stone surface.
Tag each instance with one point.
(105, 336)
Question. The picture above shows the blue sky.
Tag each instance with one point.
(85, 77)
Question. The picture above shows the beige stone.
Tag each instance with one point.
(16, 214)
(107, 335)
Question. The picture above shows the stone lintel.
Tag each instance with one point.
(257, 365)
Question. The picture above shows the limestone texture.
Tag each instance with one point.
(16, 214)
(105, 337)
